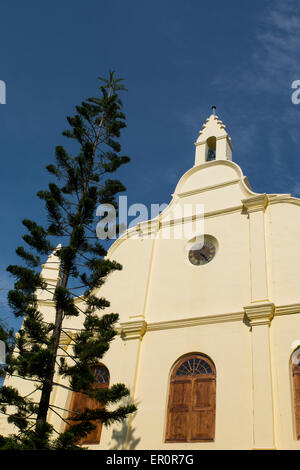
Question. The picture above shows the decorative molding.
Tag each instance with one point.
(283, 198)
(200, 166)
(46, 303)
(194, 321)
(140, 229)
(208, 188)
(225, 211)
(208, 121)
(256, 203)
(133, 329)
(187, 322)
(256, 313)
(65, 339)
(215, 213)
(51, 303)
(51, 268)
(225, 136)
(260, 314)
(290, 309)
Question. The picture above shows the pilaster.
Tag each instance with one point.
(255, 206)
(260, 317)
(132, 333)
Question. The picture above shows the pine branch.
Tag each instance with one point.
(51, 408)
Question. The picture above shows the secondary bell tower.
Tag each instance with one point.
(213, 142)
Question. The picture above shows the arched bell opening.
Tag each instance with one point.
(211, 145)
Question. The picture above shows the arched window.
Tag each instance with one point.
(211, 145)
(81, 401)
(192, 400)
(296, 389)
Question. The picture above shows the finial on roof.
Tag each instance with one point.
(214, 109)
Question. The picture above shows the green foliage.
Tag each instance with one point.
(82, 182)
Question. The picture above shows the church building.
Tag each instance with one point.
(209, 304)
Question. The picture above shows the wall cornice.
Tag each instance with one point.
(187, 322)
(133, 329)
(287, 309)
(256, 203)
(220, 137)
(260, 314)
(137, 328)
(257, 313)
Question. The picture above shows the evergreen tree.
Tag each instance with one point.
(82, 182)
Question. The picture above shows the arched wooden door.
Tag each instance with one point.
(80, 402)
(192, 400)
(296, 391)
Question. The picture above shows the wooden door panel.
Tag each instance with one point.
(81, 401)
(94, 436)
(177, 429)
(202, 425)
(78, 405)
(203, 394)
(180, 395)
(296, 376)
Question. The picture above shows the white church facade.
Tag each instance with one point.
(209, 333)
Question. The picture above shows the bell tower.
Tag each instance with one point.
(213, 142)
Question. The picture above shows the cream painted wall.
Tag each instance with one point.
(228, 344)
(130, 283)
(285, 251)
(179, 289)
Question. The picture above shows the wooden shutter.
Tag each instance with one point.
(203, 410)
(94, 436)
(81, 401)
(178, 413)
(296, 381)
(192, 401)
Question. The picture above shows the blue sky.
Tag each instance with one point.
(177, 58)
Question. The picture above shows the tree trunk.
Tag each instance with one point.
(48, 383)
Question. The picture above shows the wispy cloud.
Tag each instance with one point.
(278, 58)
(275, 60)
(256, 92)
(267, 76)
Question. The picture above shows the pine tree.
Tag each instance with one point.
(82, 182)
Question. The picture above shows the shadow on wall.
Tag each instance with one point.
(122, 439)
